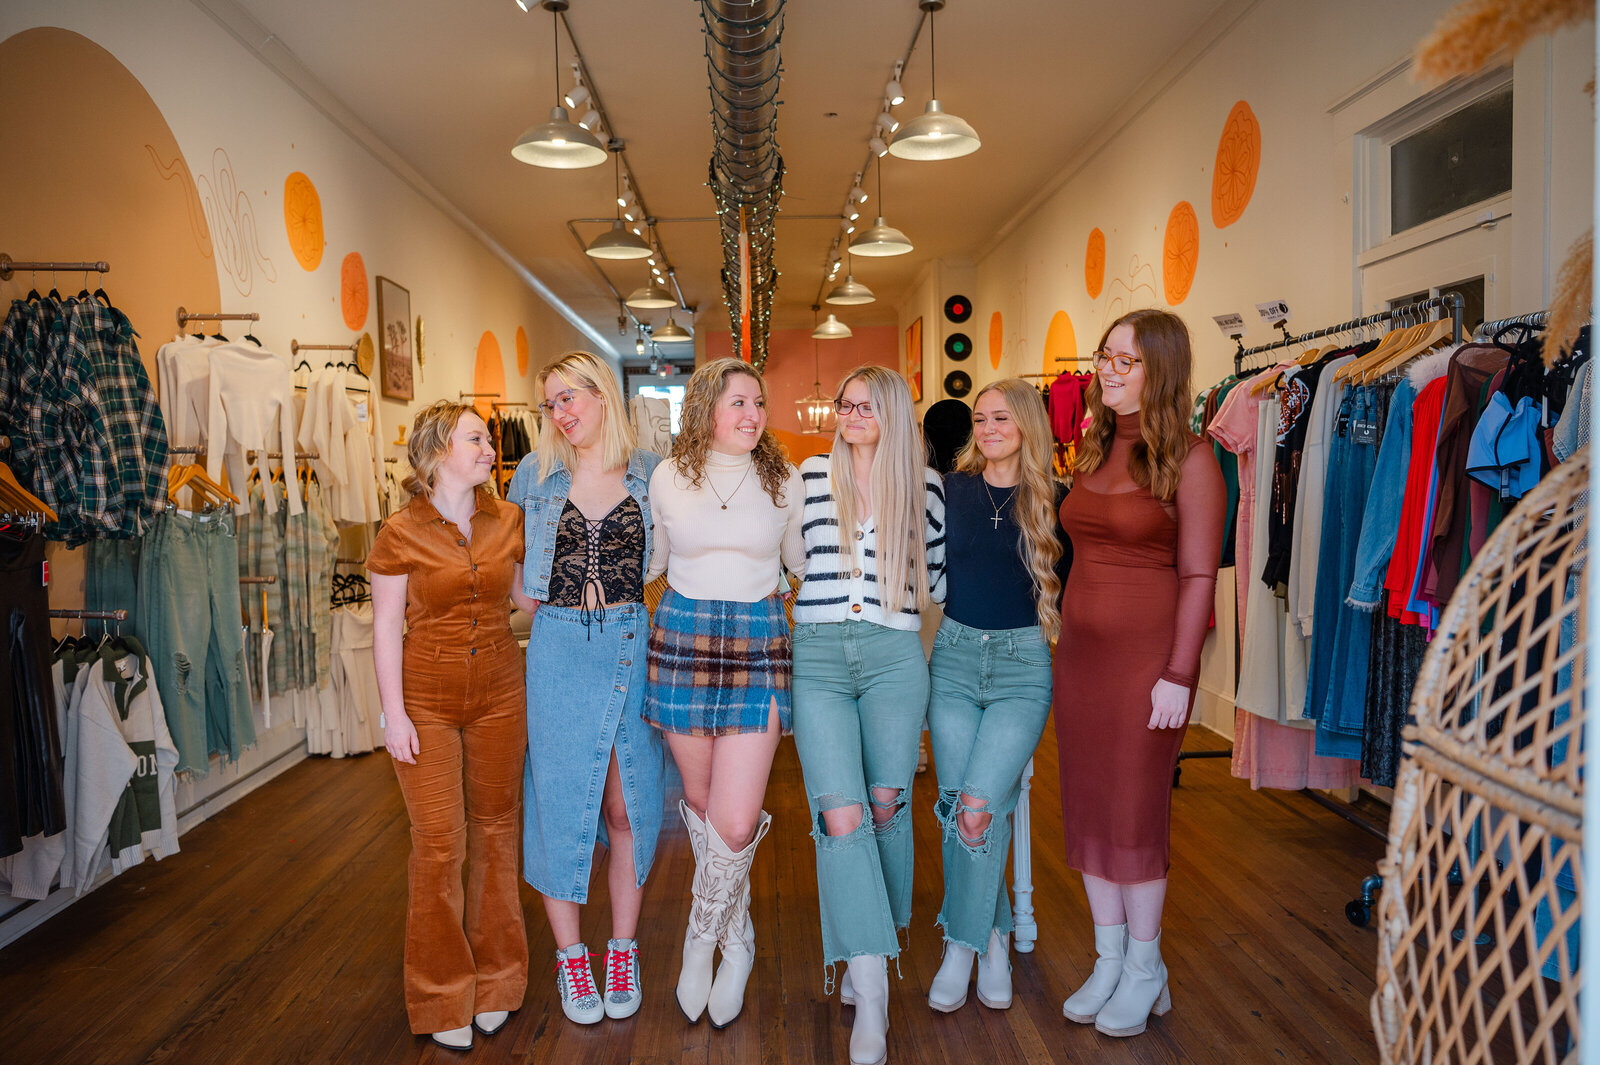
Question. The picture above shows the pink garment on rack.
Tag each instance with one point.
(1266, 753)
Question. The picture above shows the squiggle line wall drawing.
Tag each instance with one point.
(233, 224)
(1122, 294)
(175, 171)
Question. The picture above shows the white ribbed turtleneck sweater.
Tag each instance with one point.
(734, 554)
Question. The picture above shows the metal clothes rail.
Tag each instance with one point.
(1536, 320)
(1451, 300)
(185, 317)
(8, 266)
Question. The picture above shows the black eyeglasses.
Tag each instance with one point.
(844, 406)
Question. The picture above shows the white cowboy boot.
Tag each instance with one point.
(994, 972)
(1110, 943)
(714, 886)
(1141, 991)
(738, 941)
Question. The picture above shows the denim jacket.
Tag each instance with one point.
(542, 501)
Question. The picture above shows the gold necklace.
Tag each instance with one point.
(713, 486)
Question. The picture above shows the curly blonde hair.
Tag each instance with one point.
(429, 445)
(698, 426)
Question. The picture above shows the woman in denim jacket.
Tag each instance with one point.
(587, 526)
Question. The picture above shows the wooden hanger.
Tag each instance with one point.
(1392, 341)
(1432, 333)
(15, 497)
(193, 476)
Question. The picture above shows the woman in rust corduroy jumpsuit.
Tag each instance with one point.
(453, 707)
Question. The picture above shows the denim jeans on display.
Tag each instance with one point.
(1342, 636)
(860, 697)
(989, 702)
(190, 611)
(1380, 521)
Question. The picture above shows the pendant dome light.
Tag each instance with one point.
(832, 329)
(560, 143)
(881, 239)
(850, 292)
(618, 243)
(651, 297)
(671, 333)
(934, 134)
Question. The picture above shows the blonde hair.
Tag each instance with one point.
(1156, 461)
(582, 370)
(429, 445)
(1034, 506)
(698, 427)
(898, 488)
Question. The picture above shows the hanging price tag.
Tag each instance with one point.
(1232, 325)
(1273, 312)
(361, 411)
(44, 574)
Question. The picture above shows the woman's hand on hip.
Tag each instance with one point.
(1169, 705)
(400, 738)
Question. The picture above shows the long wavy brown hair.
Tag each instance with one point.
(697, 427)
(1162, 342)
(1034, 505)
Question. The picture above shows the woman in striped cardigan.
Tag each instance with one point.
(874, 532)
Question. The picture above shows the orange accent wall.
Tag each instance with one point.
(789, 372)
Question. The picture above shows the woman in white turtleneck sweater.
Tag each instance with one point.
(727, 510)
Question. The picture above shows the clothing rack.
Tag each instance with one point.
(185, 317)
(502, 406)
(477, 395)
(349, 561)
(250, 456)
(92, 615)
(1536, 320)
(1451, 300)
(258, 580)
(295, 347)
(186, 449)
(8, 266)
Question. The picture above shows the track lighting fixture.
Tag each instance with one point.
(886, 122)
(892, 91)
(857, 193)
(576, 95)
(524, 5)
(878, 146)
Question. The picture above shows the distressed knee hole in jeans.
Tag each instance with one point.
(966, 816)
(845, 828)
(181, 662)
(888, 810)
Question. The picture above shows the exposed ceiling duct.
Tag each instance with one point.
(742, 58)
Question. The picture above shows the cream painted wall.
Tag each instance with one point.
(1316, 75)
(238, 122)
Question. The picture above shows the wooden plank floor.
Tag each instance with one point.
(275, 936)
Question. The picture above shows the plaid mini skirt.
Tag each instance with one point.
(716, 667)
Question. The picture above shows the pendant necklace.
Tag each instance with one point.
(736, 487)
(996, 519)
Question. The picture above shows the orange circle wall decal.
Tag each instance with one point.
(1060, 343)
(1233, 179)
(522, 351)
(1094, 263)
(997, 336)
(488, 374)
(353, 290)
(302, 218)
(1180, 252)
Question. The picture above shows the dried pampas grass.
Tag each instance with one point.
(1471, 32)
(1570, 310)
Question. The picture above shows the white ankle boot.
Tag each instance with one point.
(1141, 991)
(454, 1039)
(869, 1035)
(738, 943)
(994, 973)
(847, 991)
(948, 992)
(1110, 943)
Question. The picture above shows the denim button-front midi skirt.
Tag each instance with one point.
(586, 686)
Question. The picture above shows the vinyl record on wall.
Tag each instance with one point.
(957, 383)
(958, 308)
(957, 346)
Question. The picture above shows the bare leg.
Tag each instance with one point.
(740, 765)
(1143, 903)
(626, 896)
(563, 918)
(1105, 901)
(692, 754)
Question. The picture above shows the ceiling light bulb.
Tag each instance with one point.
(651, 260)
(638, 346)
(858, 193)
(895, 94)
(628, 214)
(878, 147)
(854, 214)
(886, 122)
(576, 95)
(590, 120)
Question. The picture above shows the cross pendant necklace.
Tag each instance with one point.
(996, 519)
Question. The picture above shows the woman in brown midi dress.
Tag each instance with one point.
(1146, 519)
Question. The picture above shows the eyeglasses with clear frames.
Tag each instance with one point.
(842, 407)
(563, 401)
(1121, 364)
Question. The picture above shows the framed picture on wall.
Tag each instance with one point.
(394, 325)
(914, 359)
